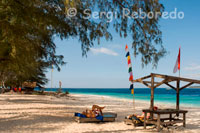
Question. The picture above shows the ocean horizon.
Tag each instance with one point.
(188, 97)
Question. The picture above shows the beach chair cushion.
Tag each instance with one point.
(133, 119)
(79, 115)
(99, 117)
(107, 117)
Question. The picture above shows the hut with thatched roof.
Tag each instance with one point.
(29, 86)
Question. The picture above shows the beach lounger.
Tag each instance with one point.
(107, 117)
(134, 120)
(137, 120)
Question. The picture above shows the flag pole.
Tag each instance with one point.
(133, 98)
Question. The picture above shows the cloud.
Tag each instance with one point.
(192, 67)
(196, 75)
(103, 51)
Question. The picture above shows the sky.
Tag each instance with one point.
(106, 65)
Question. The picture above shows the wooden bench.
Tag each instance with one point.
(164, 121)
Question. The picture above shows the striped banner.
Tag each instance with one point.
(130, 69)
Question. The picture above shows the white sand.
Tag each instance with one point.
(33, 113)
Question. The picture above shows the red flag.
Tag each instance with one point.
(126, 48)
(178, 62)
(131, 78)
(129, 62)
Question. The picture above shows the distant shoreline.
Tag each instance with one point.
(139, 100)
(198, 87)
(188, 98)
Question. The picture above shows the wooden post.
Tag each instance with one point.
(177, 94)
(170, 117)
(152, 95)
(133, 103)
(158, 123)
(145, 118)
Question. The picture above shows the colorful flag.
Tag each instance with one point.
(130, 69)
(178, 62)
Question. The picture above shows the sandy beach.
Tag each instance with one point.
(38, 113)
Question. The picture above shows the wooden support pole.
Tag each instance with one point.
(144, 83)
(162, 82)
(175, 78)
(145, 118)
(170, 117)
(146, 77)
(150, 82)
(186, 86)
(177, 95)
(133, 101)
(152, 95)
(158, 123)
(170, 86)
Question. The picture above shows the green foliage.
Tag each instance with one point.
(147, 37)
(28, 29)
(26, 40)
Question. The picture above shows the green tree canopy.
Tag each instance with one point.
(145, 32)
(28, 29)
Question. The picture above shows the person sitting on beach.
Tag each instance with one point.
(89, 113)
(142, 116)
(148, 114)
(96, 111)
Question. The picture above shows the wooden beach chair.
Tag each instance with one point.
(134, 120)
(137, 120)
(95, 115)
(107, 117)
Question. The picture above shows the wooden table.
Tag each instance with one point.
(162, 121)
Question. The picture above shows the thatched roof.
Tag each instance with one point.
(29, 84)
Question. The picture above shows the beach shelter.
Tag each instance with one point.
(150, 82)
(166, 79)
(29, 86)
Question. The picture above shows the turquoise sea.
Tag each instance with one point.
(188, 96)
